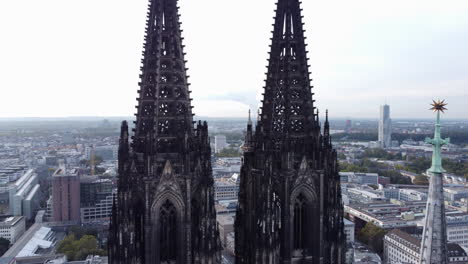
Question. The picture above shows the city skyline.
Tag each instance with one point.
(362, 55)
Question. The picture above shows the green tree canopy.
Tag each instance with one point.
(228, 153)
(79, 249)
(4, 245)
(381, 154)
(372, 235)
(421, 180)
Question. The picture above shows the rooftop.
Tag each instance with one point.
(61, 172)
(414, 242)
(347, 222)
(455, 250)
(42, 239)
(10, 220)
(408, 239)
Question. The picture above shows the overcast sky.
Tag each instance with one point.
(82, 58)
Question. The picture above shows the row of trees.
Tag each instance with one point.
(367, 165)
(372, 236)
(420, 165)
(228, 153)
(381, 154)
(456, 137)
(416, 165)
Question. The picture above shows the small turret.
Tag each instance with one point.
(248, 143)
(123, 153)
(326, 130)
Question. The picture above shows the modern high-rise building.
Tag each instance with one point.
(290, 208)
(348, 125)
(24, 195)
(96, 197)
(164, 211)
(66, 196)
(220, 143)
(385, 127)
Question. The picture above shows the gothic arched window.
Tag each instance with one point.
(300, 222)
(168, 231)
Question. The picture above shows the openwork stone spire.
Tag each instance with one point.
(288, 108)
(164, 112)
(434, 240)
(290, 208)
(164, 211)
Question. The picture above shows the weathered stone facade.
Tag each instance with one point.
(164, 211)
(290, 208)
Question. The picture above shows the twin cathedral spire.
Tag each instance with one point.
(289, 207)
(164, 211)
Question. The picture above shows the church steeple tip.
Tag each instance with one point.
(124, 148)
(326, 118)
(164, 107)
(326, 129)
(248, 141)
(288, 103)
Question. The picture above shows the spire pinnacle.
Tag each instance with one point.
(434, 239)
(287, 103)
(318, 117)
(437, 142)
(438, 106)
(326, 129)
(164, 110)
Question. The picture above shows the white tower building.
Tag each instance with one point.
(385, 127)
(220, 143)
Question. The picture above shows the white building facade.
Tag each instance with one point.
(385, 127)
(403, 248)
(457, 229)
(349, 230)
(12, 228)
(100, 213)
(220, 143)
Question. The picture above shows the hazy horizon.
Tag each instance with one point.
(83, 58)
(196, 117)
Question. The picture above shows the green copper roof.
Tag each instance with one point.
(437, 142)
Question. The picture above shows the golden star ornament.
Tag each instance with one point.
(438, 106)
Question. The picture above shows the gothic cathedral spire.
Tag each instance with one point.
(288, 106)
(164, 210)
(290, 208)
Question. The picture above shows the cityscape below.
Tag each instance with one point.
(384, 189)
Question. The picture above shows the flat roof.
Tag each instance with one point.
(39, 240)
(33, 192)
(10, 220)
(60, 172)
(26, 185)
(347, 222)
(24, 177)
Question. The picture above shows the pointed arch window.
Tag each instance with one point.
(300, 222)
(167, 231)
